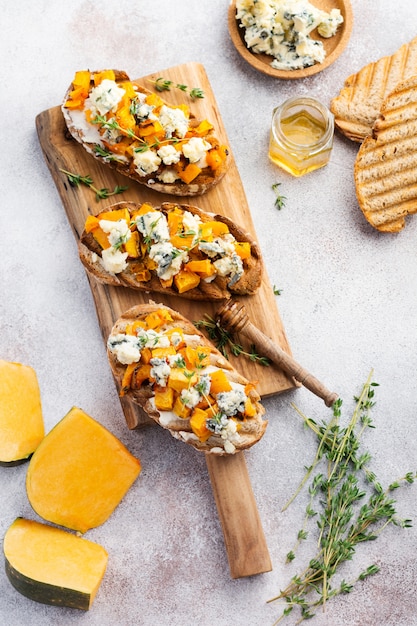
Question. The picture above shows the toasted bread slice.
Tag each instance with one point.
(385, 168)
(183, 382)
(359, 102)
(173, 249)
(134, 131)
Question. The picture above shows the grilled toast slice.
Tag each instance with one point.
(358, 104)
(385, 170)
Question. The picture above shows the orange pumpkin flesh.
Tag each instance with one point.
(79, 473)
(21, 419)
(53, 566)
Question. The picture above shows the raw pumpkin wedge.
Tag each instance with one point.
(79, 473)
(52, 566)
(21, 419)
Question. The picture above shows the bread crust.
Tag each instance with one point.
(384, 172)
(207, 179)
(251, 429)
(218, 289)
(358, 104)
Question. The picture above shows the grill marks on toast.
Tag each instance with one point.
(358, 104)
(386, 165)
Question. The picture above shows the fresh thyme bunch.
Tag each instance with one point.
(348, 503)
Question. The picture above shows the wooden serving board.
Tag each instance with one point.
(61, 151)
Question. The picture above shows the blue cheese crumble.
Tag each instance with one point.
(282, 29)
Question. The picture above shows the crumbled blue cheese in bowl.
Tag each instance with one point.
(282, 29)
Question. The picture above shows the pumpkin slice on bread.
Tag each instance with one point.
(179, 379)
(172, 249)
(136, 132)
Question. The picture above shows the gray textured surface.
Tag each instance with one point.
(348, 304)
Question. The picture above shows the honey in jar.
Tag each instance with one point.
(301, 136)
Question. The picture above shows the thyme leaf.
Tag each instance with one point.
(75, 180)
(280, 199)
(350, 504)
(163, 84)
(225, 341)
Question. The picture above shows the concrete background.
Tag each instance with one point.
(348, 304)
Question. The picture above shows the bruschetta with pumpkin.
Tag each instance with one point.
(173, 249)
(133, 130)
(179, 379)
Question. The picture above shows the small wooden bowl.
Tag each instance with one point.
(333, 46)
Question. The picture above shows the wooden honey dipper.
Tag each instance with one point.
(233, 318)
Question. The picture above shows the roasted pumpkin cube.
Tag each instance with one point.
(198, 423)
(189, 173)
(180, 379)
(101, 237)
(219, 382)
(166, 282)
(186, 280)
(182, 241)
(214, 159)
(154, 100)
(105, 74)
(140, 375)
(82, 79)
(197, 358)
(127, 378)
(91, 223)
(250, 409)
(174, 219)
(177, 330)
(217, 228)
(158, 318)
(145, 355)
(132, 245)
(204, 267)
(243, 249)
(164, 398)
(180, 409)
(144, 208)
(129, 89)
(115, 215)
(203, 128)
(163, 353)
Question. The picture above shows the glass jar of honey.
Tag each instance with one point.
(301, 136)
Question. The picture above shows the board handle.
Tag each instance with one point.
(244, 538)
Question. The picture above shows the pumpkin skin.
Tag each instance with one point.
(79, 473)
(21, 418)
(52, 566)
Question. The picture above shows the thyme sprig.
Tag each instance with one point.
(163, 84)
(280, 199)
(113, 124)
(76, 180)
(225, 341)
(348, 502)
